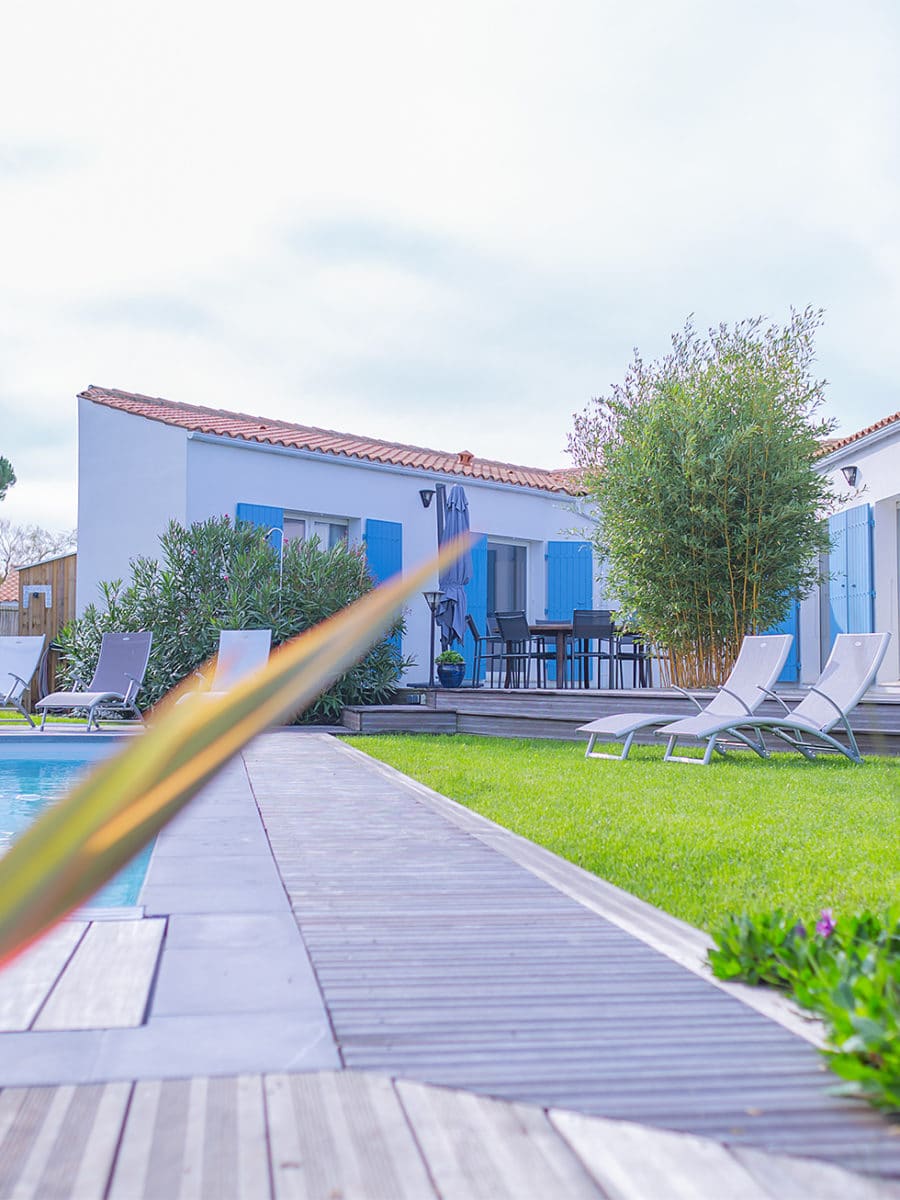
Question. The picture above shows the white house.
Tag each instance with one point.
(861, 593)
(143, 462)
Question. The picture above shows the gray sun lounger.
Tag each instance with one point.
(849, 672)
(755, 670)
(117, 680)
(240, 653)
(19, 658)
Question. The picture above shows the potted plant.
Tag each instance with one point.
(451, 668)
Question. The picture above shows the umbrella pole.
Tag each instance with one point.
(441, 508)
(431, 653)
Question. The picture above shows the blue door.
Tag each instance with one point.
(266, 517)
(570, 582)
(384, 554)
(851, 583)
(476, 601)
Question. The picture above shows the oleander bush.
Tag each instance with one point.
(216, 574)
(846, 970)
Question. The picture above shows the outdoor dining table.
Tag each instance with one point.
(560, 630)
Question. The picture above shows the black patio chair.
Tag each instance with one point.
(590, 626)
(489, 652)
(521, 649)
(631, 648)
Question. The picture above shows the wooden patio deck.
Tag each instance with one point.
(450, 952)
(549, 713)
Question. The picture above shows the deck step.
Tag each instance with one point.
(398, 718)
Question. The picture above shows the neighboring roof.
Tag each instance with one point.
(829, 445)
(42, 562)
(326, 441)
(9, 588)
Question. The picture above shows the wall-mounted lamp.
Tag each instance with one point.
(426, 495)
(851, 474)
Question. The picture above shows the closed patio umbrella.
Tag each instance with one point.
(451, 611)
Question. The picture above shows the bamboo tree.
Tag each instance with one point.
(701, 466)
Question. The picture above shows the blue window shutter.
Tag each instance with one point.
(837, 574)
(384, 555)
(570, 583)
(384, 548)
(476, 598)
(265, 516)
(570, 579)
(790, 672)
(860, 570)
(851, 587)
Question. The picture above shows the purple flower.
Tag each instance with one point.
(224, 578)
(825, 923)
(799, 930)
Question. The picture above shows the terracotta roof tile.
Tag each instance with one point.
(327, 441)
(9, 588)
(829, 445)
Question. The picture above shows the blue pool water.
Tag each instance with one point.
(27, 787)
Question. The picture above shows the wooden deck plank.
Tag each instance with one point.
(803, 1179)
(26, 983)
(199, 1139)
(632, 1162)
(342, 1135)
(63, 1141)
(482, 1149)
(107, 983)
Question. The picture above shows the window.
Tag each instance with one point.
(506, 568)
(298, 527)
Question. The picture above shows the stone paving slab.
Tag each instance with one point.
(233, 989)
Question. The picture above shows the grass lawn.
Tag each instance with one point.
(741, 835)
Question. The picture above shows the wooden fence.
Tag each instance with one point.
(46, 603)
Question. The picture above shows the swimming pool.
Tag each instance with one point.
(27, 786)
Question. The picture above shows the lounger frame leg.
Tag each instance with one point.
(831, 744)
(712, 744)
(20, 708)
(693, 762)
(592, 753)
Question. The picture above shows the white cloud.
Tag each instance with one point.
(416, 221)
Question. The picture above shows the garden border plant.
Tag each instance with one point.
(846, 970)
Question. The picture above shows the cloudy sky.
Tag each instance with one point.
(439, 224)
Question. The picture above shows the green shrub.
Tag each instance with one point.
(217, 575)
(847, 971)
(451, 658)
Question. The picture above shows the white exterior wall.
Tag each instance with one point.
(222, 473)
(131, 483)
(877, 457)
